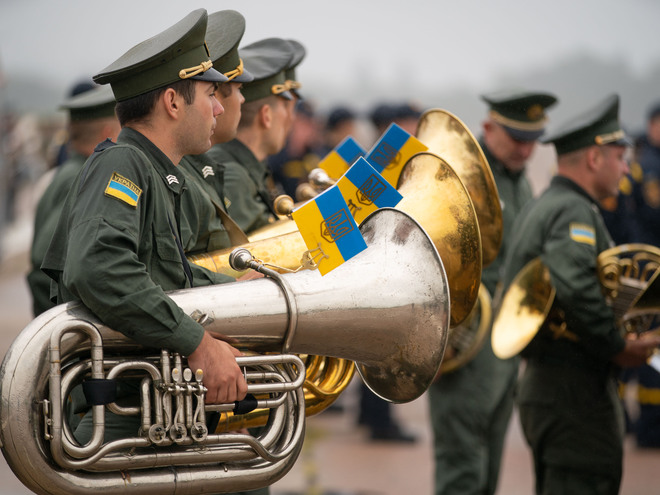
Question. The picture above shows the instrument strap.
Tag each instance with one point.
(236, 235)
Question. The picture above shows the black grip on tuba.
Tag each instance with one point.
(246, 405)
(99, 391)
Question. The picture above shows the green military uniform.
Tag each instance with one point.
(117, 245)
(202, 225)
(245, 178)
(45, 220)
(246, 196)
(96, 104)
(569, 408)
(470, 407)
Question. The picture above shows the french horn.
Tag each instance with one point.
(465, 340)
(624, 273)
(393, 294)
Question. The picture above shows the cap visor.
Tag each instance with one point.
(519, 135)
(245, 77)
(286, 95)
(211, 75)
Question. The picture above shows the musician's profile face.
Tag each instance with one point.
(613, 166)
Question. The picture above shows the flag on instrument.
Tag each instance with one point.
(392, 151)
(365, 190)
(329, 230)
(339, 160)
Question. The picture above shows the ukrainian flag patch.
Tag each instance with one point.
(123, 189)
(583, 233)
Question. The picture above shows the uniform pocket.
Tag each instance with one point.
(166, 247)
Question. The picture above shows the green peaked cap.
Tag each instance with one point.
(521, 113)
(175, 54)
(598, 125)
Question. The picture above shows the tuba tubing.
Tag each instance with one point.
(393, 293)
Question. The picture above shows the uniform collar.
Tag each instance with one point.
(244, 156)
(496, 165)
(170, 173)
(565, 182)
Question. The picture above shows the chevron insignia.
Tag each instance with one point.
(208, 170)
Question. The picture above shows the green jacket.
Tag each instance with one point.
(564, 227)
(117, 254)
(45, 220)
(246, 194)
(202, 229)
(514, 192)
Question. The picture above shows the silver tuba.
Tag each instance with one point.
(393, 294)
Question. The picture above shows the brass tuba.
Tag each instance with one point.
(624, 273)
(447, 136)
(432, 194)
(394, 294)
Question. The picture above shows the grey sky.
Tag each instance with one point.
(411, 43)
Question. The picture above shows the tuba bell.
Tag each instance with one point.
(434, 195)
(447, 136)
(624, 272)
(394, 294)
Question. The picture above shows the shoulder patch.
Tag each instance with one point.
(123, 189)
(583, 233)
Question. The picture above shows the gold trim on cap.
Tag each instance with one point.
(610, 137)
(277, 89)
(516, 124)
(290, 84)
(236, 72)
(193, 71)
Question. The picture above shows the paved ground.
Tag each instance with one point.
(337, 458)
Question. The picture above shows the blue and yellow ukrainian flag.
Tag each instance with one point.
(329, 230)
(392, 151)
(365, 190)
(123, 189)
(339, 160)
(583, 233)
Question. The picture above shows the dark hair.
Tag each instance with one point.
(225, 90)
(139, 107)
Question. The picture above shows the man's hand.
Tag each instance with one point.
(222, 376)
(637, 351)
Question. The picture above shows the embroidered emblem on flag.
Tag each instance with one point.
(365, 190)
(583, 233)
(329, 230)
(392, 151)
(123, 189)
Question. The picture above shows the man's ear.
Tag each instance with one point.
(266, 116)
(594, 157)
(171, 101)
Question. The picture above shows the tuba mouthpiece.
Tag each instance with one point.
(240, 259)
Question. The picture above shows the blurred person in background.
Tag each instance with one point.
(91, 120)
(470, 407)
(301, 154)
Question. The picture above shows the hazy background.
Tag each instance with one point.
(437, 53)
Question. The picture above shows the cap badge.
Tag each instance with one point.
(535, 112)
